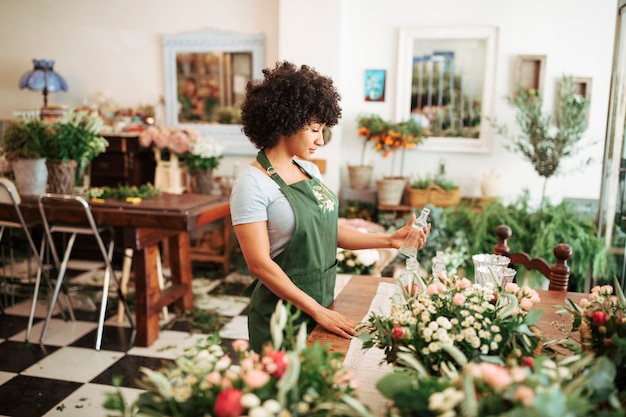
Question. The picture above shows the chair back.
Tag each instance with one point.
(8, 192)
(557, 273)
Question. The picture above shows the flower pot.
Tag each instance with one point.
(31, 176)
(61, 176)
(390, 190)
(434, 195)
(360, 176)
(202, 181)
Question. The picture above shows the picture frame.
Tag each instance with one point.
(374, 88)
(530, 73)
(235, 58)
(445, 82)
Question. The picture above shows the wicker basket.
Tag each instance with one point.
(434, 195)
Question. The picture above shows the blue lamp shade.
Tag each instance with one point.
(43, 78)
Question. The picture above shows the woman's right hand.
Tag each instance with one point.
(336, 323)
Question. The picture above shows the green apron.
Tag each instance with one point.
(309, 259)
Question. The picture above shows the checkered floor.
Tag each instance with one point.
(66, 376)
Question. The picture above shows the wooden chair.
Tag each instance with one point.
(557, 274)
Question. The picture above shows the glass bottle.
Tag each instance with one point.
(409, 246)
(439, 265)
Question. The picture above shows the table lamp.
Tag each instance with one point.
(43, 78)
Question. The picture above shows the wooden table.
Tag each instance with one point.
(167, 217)
(354, 302)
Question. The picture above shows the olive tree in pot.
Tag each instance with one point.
(22, 146)
(545, 140)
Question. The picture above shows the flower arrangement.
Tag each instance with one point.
(288, 378)
(539, 386)
(74, 136)
(388, 137)
(172, 139)
(600, 320)
(204, 153)
(359, 262)
(452, 318)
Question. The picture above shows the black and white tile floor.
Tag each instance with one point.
(65, 376)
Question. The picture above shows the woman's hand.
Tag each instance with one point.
(336, 323)
(399, 236)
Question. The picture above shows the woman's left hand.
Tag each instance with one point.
(399, 236)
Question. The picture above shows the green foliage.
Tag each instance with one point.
(535, 231)
(422, 183)
(75, 136)
(544, 141)
(356, 209)
(24, 138)
(124, 191)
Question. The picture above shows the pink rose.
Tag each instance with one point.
(458, 299)
(463, 283)
(526, 304)
(256, 378)
(398, 332)
(241, 345)
(275, 363)
(495, 376)
(599, 317)
(436, 288)
(524, 395)
(228, 403)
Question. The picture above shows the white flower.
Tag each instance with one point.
(250, 400)
(368, 257)
(206, 147)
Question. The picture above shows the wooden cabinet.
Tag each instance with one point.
(125, 162)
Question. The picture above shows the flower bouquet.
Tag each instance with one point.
(532, 387)
(205, 153)
(454, 318)
(168, 140)
(359, 262)
(600, 323)
(288, 378)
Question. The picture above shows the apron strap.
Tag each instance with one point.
(265, 163)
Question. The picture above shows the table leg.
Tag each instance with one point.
(148, 295)
(150, 298)
(180, 265)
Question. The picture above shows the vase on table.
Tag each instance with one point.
(169, 175)
(202, 181)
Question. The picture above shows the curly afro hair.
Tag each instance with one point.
(285, 101)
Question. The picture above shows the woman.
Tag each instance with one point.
(284, 217)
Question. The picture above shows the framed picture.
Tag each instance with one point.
(205, 79)
(529, 73)
(446, 84)
(375, 85)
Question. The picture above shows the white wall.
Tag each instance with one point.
(576, 36)
(115, 47)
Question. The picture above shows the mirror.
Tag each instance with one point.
(445, 82)
(205, 81)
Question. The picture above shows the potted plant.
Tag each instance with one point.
(21, 145)
(205, 154)
(545, 140)
(388, 138)
(73, 141)
(436, 190)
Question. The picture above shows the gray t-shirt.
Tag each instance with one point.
(255, 197)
